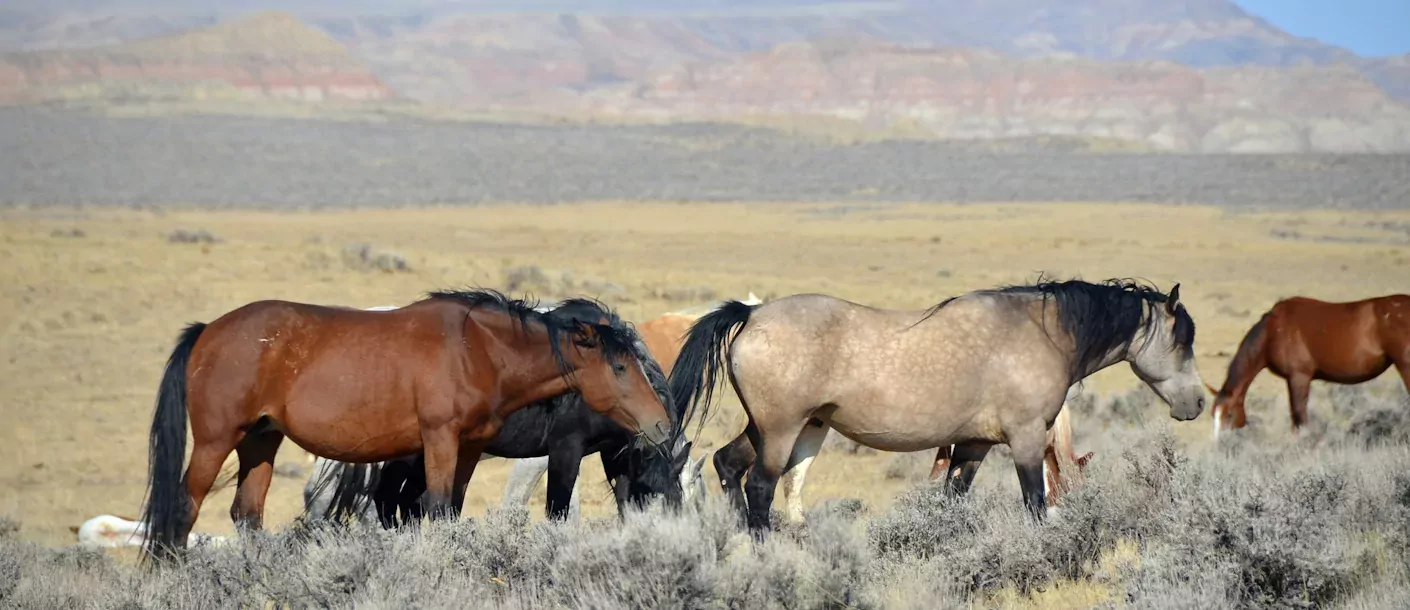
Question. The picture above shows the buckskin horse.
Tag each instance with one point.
(986, 367)
(438, 376)
(562, 429)
(1302, 340)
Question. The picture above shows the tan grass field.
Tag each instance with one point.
(87, 322)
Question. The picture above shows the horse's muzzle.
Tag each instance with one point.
(658, 434)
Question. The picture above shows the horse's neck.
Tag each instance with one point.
(1251, 358)
(528, 370)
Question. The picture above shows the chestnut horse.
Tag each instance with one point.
(1302, 339)
(438, 376)
(986, 367)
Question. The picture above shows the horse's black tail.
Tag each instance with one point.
(697, 368)
(168, 506)
(341, 491)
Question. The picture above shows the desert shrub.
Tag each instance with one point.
(652, 561)
(1249, 522)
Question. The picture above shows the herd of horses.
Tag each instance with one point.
(400, 404)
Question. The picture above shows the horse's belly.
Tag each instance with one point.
(353, 439)
(895, 432)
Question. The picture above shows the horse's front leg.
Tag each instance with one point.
(469, 457)
(442, 454)
(1029, 444)
(563, 463)
(616, 466)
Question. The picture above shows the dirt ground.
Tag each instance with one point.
(86, 321)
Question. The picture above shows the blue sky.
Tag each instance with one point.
(1368, 27)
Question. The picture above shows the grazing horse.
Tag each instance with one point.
(563, 428)
(438, 376)
(1302, 339)
(986, 367)
(526, 473)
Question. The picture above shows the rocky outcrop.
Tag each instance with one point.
(965, 93)
(267, 56)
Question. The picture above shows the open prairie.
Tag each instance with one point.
(93, 299)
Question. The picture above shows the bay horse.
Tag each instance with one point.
(986, 367)
(1302, 339)
(563, 429)
(438, 376)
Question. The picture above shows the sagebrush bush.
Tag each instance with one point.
(1253, 521)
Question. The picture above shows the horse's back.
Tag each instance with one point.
(1338, 341)
(663, 336)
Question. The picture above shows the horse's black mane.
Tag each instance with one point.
(1099, 316)
(614, 341)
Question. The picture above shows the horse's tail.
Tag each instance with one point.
(697, 368)
(1062, 435)
(168, 506)
(340, 491)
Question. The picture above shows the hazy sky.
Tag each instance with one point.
(1368, 27)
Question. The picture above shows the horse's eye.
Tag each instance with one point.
(619, 367)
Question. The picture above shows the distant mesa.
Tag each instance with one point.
(264, 56)
(1172, 75)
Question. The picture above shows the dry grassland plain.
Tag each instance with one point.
(87, 321)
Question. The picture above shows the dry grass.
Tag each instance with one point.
(86, 322)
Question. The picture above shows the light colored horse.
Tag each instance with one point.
(112, 531)
(986, 367)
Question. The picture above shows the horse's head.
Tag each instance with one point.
(1228, 411)
(1165, 357)
(611, 369)
(612, 381)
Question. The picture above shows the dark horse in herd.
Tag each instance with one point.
(432, 386)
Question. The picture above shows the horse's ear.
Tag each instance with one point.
(1211, 389)
(682, 456)
(583, 333)
(697, 467)
(1173, 300)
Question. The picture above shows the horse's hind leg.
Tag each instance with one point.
(256, 452)
(805, 449)
(774, 448)
(942, 462)
(206, 459)
(965, 459)
(731, 462)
